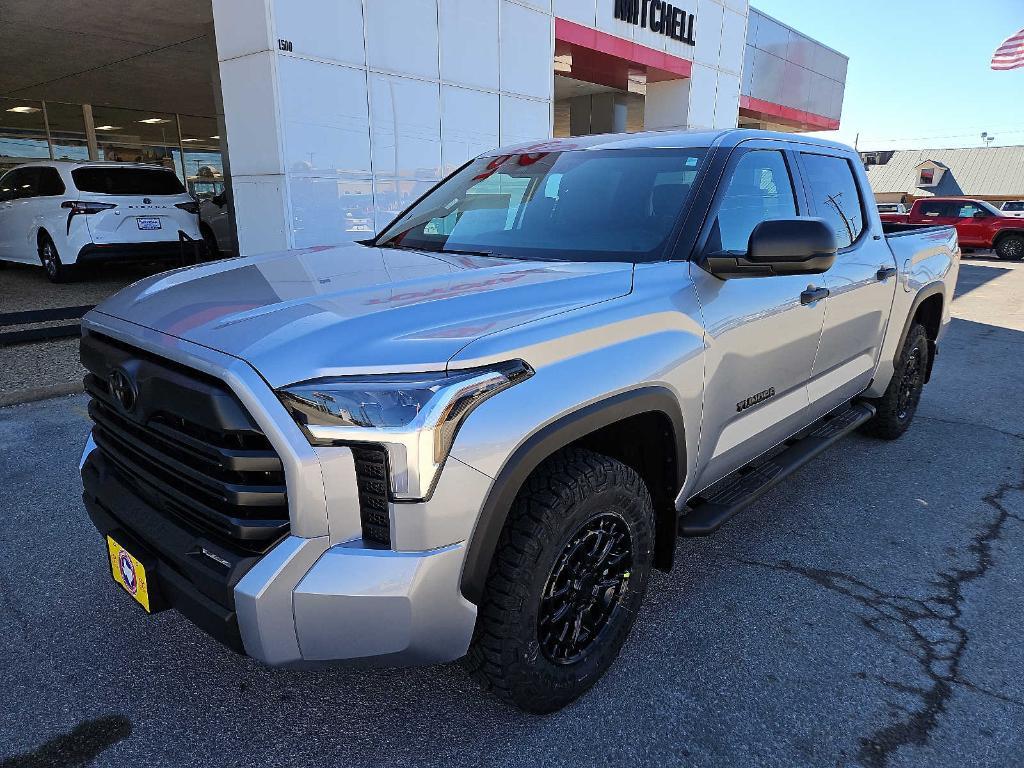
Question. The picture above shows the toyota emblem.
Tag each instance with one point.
(146, 200)
(122, 388)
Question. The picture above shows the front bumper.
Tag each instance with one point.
(320, 594)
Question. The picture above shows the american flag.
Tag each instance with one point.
(1010, 54)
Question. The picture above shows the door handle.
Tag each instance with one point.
(812, 295)
(884, 273)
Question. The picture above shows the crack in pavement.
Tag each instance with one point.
(932, 623)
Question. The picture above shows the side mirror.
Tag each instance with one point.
(980, 215)
(805, 246)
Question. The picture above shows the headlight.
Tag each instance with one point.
(414, 416)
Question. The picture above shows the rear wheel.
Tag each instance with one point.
(896, 408)
(567, 579)
(56, 270)
(1011, 248)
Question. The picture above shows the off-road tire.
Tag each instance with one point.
(569, 495)
(1010, 248)
(896, 408)
(56, 270)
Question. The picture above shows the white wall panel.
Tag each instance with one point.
(250, 112)
(326, 120)
(330, 209)
(261, 203)
(401, 36)
(405, 127)
(734, 41)
(337, 33)
(469, 42)
(703, 85)
(524, 120)
(727, 101)
(580, 11)
(526, 53)
(243, 27)
(708, 32)
(469, 125)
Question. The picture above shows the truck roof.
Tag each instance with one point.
(673, 139)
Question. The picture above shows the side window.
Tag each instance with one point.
(19, 184)
(7, 187)
(967, 210)
(50, 183)
(836, 197)
(932, 209)
(760, 189)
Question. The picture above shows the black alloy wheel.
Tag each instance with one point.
(585, 588)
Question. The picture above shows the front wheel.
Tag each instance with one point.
(567, 580)
(896, 408)
(1011, 248)
(56, 270)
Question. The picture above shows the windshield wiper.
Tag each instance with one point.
(425, 249)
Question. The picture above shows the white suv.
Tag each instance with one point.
(61, 214)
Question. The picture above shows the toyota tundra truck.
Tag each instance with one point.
(979, 224)
(474, 435)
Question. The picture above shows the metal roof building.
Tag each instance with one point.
(988, 173)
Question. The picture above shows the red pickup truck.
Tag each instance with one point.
(978, 224)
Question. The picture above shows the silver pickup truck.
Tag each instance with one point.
(474, 435)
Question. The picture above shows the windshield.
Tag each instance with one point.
(127, 181)
(584, 205)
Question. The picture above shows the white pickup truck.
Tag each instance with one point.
(476, 434)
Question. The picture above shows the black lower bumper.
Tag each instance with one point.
(125, 252)
(190, 573)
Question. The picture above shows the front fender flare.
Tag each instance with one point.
(483, 542)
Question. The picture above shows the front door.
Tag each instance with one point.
(759, 336)
(861, 284)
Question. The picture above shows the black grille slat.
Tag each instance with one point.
(188, 446)
(372, 483)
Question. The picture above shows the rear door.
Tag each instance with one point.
(760, 337)
(934, 212)
(861, 283)
(7, 187)
(144, 201)
(16, 214)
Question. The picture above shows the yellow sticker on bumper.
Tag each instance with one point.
(128, 572)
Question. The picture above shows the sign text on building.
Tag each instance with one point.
(657, 16)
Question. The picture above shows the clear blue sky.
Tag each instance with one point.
(919, 71)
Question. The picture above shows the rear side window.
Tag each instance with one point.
(934, 209)
(836, 197)
(1014, 206)
(49, 182)
(127, 181)
(760, 189)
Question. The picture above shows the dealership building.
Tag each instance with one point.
(323, 118)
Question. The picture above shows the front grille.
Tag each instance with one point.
(372, 483)
(188, 446)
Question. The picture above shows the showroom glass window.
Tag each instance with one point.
(836, 198)
(760, 189)
(586, 205)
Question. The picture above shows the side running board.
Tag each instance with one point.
(709, 510)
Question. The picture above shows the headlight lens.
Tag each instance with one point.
(415, 416)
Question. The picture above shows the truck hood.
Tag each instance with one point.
(352, 309)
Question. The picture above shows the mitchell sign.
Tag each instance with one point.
(657, 16)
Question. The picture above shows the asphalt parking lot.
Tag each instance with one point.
(53, 364)
(867, 612)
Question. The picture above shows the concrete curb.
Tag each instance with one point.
(39, 393)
